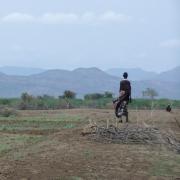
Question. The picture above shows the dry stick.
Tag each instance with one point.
(152, 105)
(137, 134)
(107, 123)
(116, 122)
(137, 115)
(90, 121)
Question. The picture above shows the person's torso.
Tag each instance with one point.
(125, 86)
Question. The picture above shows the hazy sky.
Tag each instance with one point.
(67, 34)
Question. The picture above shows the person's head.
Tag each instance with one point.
(125, 75)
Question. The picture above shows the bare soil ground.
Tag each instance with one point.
(48, 145)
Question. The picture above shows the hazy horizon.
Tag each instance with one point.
(71, 69)
(104, 34)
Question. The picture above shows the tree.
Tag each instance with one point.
(26, 98)
(108, 94)
(149, 92)
(45, 96)
(69, 94)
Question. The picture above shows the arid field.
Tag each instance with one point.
(48, 145)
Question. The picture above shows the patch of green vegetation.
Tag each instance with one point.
(67, 118)
(95, 100)
(69, 126)
(23, 139)
(166, 167)
(4, 148)
(8, 112)
(7, 118)
(30, 125)
(66, 178)
(40, 122)
(10, 142)
(57, 117)
(88, 153)
(75, 178)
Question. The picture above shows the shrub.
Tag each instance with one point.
(108, 94)
(93, 96)
(6, 112)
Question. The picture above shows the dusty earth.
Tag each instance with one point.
(63, 153)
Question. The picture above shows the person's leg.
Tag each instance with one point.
(117, 108)
(126, 111)
(127, 117)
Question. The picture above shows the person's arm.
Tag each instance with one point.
(130, 99)
(120, 88)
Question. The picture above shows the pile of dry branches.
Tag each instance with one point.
(134, 134)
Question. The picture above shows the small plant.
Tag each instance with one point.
(69, 126)
(88, 154)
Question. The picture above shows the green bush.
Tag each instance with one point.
(94, 96)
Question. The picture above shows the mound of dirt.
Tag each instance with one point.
(135, 134)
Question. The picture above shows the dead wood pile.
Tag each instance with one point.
(134, 134)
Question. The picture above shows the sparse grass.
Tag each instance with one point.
(21, 138)
(166, 166)
(39, 122)
(69, 126)
(88, 153)
(15, 125)
(12, 141)
(33, 125)
(65, 178)
(75, 178)
(46, 117)
(7, 112)
(4, 148)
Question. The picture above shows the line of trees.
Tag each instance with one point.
(67, 100)
(96, 96)
(93, 100)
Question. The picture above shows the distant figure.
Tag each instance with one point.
(124, 98)
(168, 108)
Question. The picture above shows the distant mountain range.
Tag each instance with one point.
(170, 76)
(135, 74)
(88, 80)
(20, 71)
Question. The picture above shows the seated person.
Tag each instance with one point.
(168, 108)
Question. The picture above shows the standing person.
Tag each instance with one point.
(124, 96)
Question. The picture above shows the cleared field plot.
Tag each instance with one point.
(48, 145)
